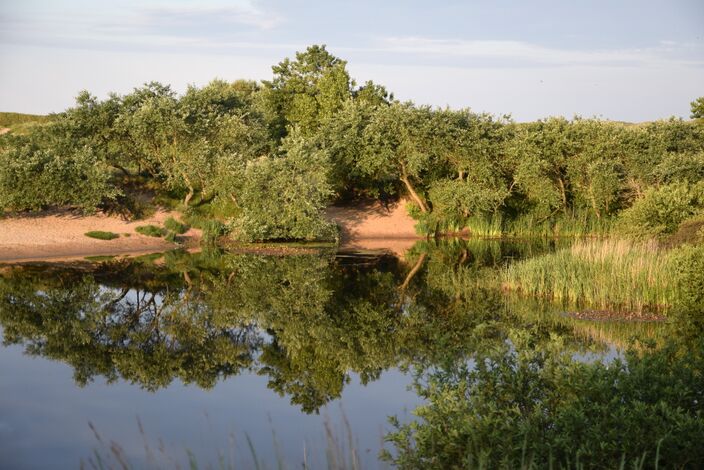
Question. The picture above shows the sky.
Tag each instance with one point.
(622, 60)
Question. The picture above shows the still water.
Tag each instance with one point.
(239, 360)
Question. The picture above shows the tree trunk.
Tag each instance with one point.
(413, 272)
(412, 192)
(188, 197)
(563, 193)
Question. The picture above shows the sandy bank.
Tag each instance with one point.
(61, 235)
(374, 226)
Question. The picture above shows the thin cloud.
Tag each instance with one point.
(242, 12)
(539, 55)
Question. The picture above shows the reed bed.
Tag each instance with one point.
(609, 274)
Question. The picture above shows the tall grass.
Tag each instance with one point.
(609, 274)
(495, 225)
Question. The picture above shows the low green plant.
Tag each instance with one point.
(175, 226)
(212, 230)
(151, 230)
(100, 235)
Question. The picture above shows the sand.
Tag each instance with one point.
(373, 226)
(60, 235)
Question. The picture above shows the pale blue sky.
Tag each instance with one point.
(624, 60)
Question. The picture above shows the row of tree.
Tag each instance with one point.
(274, 154)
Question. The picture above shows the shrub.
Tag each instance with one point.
(100, 235)
(33, 179)
(212, 229)
(175, 226)
(661, 210)
(284, 199)
(151, 230)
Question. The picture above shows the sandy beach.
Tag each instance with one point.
(60, 235)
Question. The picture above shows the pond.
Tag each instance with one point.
(248, 360)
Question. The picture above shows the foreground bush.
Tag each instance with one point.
(545, 410)
(284, 198)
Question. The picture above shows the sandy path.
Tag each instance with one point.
(372, 226)
(62, 235)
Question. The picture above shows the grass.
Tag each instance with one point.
(151, 230)
(100, 235)
(608, 274)
(14, 119)
(175, 226)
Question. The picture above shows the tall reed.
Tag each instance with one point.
(609, 274)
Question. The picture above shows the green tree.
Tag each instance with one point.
(697, 107)
(297, 191)
(397, 149)
(307, 90)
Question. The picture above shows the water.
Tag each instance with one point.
(204, 354)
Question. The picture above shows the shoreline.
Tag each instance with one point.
(60, 235)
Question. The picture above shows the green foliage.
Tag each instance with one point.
(661, 210)
(12, 120)
(175, 226)
(528, 408)
(307, 90)
(151, 230)
(697, 107)
(608, 274)
(101, 235)
(32, 178)
(213, 147)
(298, 191)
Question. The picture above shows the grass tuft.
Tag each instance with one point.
(100, 235)
(175, 226)
(151, 230)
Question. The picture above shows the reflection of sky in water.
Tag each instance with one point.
(44, 417)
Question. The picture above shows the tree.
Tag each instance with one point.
(296, 190)
(33, 177)
(697, 107)
(307, 90)
(397, 149)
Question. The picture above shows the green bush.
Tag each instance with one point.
(100, 235)
(212, 230)
(545, 410)
(33, 179)
(151, 230)
(175, 226)
(283, 198)
(660, 211)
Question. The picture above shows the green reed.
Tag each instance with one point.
(609, 274)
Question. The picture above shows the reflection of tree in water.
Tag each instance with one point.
(143, 334)
(306, 321)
